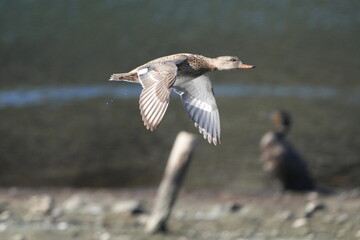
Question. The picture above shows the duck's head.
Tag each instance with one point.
(229, 62)
(281, 120)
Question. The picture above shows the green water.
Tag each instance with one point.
(90, 142)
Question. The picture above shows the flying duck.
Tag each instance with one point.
(186, 74)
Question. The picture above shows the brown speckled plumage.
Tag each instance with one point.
(186, 74)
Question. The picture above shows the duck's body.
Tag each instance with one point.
(186, 74)
(281, 160)
(188, 66)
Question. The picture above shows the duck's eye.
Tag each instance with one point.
(233, 59)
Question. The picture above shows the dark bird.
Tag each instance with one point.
(186, 74)
(281, 160)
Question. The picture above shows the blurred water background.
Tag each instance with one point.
(63, 124)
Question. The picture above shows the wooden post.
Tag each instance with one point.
(170, 185)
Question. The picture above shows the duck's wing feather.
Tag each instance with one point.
(156, 80)
(199, 101)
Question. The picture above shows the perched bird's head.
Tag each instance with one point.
(281, 120)
(229, 62)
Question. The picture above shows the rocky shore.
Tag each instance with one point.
(120, 214)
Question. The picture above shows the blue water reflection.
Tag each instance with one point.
(26, 97)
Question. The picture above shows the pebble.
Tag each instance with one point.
(357, 234)
(246, 211)
(13, 191)
(310, 236)
(284, 216)
(5, 215)
(341, 233)
(301, 222)
(342, 218)
(217, 211)
(3, 227)
(57, 212)
(180, 214)
(312, 196)
(328, 218)
(274, 232)
(62, 226)
(200, 215)
(73, 203)
(3, 206)
(182, 238)
(312, 207)
(40, 204)
(128, 206)
(142, 219)
(93, 209)
(104, 236)
(19, 237)
(355, 193)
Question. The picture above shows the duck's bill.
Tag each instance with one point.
(246, 66)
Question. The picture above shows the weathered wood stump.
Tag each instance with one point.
(170, 185)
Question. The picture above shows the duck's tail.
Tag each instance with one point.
(129, 77)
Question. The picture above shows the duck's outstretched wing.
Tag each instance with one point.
(156, 81)
(198, 99)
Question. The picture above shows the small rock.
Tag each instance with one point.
(312, 196)
(3, 227)
(104, 236)
(19, 237)
(246, 211)
(130, 206)
(342, 218)
(180, 214)
(357, 234)
(284, 216)
(200, 215)
(73, 203)
(310, 236)
(328, 218)
(217, 211)
(12, 191)
(182, 238)
(93, 209)
(75, 233)
(355, 193)
(341, 233)
(57, 212)
(312, 207)
(301, 222)
(142, 219)
(5, 215)
(3, 206)
(274, 232)
(40, 204)
(62, 226)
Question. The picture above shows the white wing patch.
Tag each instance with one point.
(200, 104)
(143, 71)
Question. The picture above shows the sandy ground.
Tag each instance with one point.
(105, 214)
